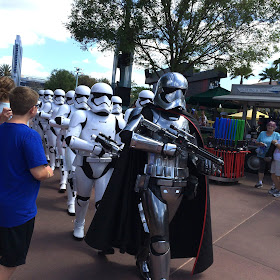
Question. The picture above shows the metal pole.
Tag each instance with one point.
(78, 70)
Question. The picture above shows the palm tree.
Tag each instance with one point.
(277, 66)
(245, 72)
(269, 73)
(5, 70)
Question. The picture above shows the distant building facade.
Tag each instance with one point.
(33, 82)
(17, 60)
(198, 82)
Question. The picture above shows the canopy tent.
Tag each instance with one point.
(206, 98)
(249, 115)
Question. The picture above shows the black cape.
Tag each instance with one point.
(117, 223)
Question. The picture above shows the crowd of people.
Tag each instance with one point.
(142, 174)
(85, 134)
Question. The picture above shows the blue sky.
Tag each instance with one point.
(47, 45)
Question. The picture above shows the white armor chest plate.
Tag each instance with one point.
(73, 109)
(96, 124)
(55, 109)
(160, 166)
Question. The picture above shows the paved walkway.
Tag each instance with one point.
(246, 236)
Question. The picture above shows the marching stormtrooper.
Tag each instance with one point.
(145, 97)
(94, 162)
(52, 132)
(35, 121)
(164, 162)
(44, 114)
(60, 139)
(75, 100)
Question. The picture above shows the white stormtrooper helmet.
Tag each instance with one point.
(70, 97)
(117, 105)
(59, 97)
(81, 97)
(100, 99)
(145, 97)
(171, 90)
(48, 95)
(41, 94)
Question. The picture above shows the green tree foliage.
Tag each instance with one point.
(86, 81)
(61, 79)
(135, 90)
(172, 33)
(5, 70)
(245, 72)
(270, 74)
(89, 81)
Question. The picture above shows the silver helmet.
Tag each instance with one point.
(171, 90)
(59, 97)
(81, 97)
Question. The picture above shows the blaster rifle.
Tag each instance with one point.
(182, 141)
(108, 144)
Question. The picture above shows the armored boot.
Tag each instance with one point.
(71, 196)
(81, 210)
(79, 230)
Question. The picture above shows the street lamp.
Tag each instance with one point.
(78, 71)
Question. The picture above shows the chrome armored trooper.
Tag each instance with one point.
(166, 176)
(94, 162)
(145, 97)
(75, 100)
(52, 132)
(44, 113)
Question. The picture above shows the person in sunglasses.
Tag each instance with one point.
(94, 163)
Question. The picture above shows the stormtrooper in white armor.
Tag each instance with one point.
(44, 113)
(75, 100)
(145, 97)
(94, 162)
(52, 132)
(35, 121)
(60, 130)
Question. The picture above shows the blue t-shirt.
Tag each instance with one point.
(20, 150)
(266, 140)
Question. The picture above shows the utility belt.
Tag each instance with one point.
(166, 172)
(188, 186)
(89, 158)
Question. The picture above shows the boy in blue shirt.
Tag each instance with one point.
(23, 165)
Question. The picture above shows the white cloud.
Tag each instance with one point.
(6, 60)
(30, 67)
(86, 61)
(34, 21)
(99, 75)
(138, 76)
(104, 59)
